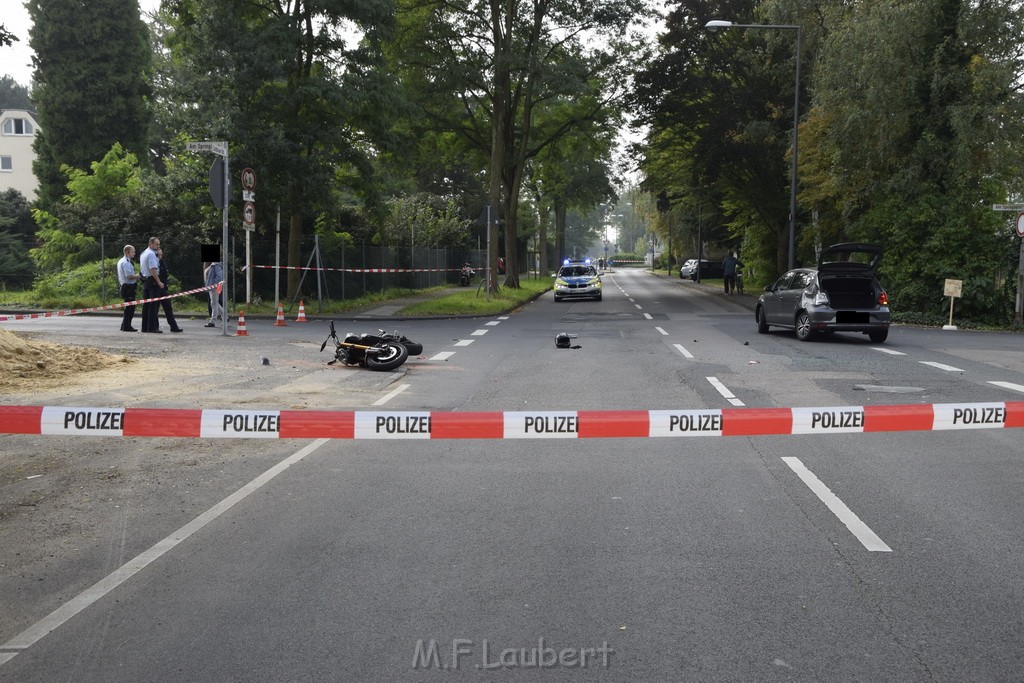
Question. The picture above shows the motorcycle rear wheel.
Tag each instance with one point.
(391, 355)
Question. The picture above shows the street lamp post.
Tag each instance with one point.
(716, 24)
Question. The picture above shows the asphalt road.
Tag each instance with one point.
(705, 558)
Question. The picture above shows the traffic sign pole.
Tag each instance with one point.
(220, 148)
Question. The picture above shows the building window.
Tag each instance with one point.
(17, 127)
(5, 164)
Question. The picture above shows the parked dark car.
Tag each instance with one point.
(841, 295)
(708, 269)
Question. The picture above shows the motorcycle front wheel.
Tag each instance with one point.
(390, 356)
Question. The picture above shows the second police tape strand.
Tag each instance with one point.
(76, 311)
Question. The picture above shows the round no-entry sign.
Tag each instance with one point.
(248, 179)
(249, 214)
(1020, 224)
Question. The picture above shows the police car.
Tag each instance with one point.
(577, 280)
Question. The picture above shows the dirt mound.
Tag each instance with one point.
(26, 364)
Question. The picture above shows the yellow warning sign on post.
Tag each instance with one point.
(953, 290)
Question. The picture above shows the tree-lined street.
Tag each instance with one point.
(650, 558)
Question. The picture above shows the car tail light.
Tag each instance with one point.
(883, 299)
(821, 299)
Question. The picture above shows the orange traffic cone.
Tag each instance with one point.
(302, 313)
(280, 317)
(241, 325)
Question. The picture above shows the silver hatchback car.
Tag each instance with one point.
(841, 295)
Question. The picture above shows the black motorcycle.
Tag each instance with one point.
(374, 351)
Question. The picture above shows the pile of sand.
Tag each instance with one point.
(26, 364)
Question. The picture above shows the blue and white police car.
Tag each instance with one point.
(577, 280)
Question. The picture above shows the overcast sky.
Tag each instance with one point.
(16, 61)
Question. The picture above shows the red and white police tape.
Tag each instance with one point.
(363, 270)
(76, 311)
(302, 424)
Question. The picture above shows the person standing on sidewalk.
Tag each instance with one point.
(166, 303)
(213, 274)
(729, 265)
(149, 265)
(128, 281)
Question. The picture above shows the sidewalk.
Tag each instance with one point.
(748, 300)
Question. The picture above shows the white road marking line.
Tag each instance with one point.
(662, 331)
(888, 351)
(1009, 385)
(444, 355)
(479, 333)
(639, 306)
(464, 342)
(940, 366)
(502, 317)
(864, 534)
(69, 609)
(390, 395)
(724, 391)
(493, 323)
(682, 350)
(648, 316)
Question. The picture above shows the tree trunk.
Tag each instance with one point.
(559, 229)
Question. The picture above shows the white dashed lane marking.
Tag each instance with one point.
(940, 366)
(1009, 385)
(864, 534)
(724, 391)
(464, 342)
(682, 350)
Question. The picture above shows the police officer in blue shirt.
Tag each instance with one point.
(149, 266)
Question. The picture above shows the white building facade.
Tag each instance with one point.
(18, 128)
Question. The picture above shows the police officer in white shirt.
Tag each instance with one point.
(149, 265)
(128, 280)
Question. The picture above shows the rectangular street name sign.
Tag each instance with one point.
(1008, 207)
(216, 146)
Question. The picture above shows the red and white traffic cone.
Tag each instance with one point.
(241, 325)
(280, 317)
(302, 313)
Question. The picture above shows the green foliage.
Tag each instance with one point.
(13, 95)
(15, 266)
(471, 302)
(6, 37)
(82, 286)
(15, 216)
(60, 250)
(116, 174)
(425, 220)
(91, 85)
(301, 102)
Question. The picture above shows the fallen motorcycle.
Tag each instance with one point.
(374, 351)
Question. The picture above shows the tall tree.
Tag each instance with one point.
(294, 86)
(13, 95)
(92, 63)
(486, 69)
(719, 111)
(915, 132)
